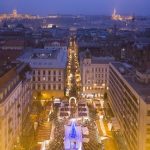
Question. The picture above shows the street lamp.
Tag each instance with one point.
(35, 127)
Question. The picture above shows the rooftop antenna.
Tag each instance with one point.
(114, 12)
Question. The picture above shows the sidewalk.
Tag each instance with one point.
(44, 131)
(107, 136)
(102, 126)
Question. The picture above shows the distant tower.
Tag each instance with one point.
(114, 12)
(14, 13)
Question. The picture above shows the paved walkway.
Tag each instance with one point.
(102, 126)
(44, 131)
(106, 135)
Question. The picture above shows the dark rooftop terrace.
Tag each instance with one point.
(129, 74)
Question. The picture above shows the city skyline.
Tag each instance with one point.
(74, 75)
(74, 81)
(88, 7)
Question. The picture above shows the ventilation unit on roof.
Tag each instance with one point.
(122, 70)
(143, 77)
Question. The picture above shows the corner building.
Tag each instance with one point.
(48, 67)
(15, 100)
(94, 75)
(129, 98)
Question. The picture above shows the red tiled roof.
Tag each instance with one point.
(14, 43)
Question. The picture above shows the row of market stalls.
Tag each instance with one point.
(82, 111)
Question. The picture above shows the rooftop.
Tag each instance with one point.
(102, 60)
(6, 67)
(45, 58)
(14, 43)
(129, 74)
(8, 71)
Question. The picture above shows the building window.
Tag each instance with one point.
(38, 86)
(38, 72)
(44, 87)
(59, 79)
(38, 78)
(49, 72)
(54, 72)
(59, 87)
(54, 87)
(54, 79)
(33, 87)
(59, 73)
(43, 72)
(33, 78)
(148, 113)
(49, 87)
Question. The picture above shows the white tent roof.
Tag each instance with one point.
(86, 140)
(85, 131)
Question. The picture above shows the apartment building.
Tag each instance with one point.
(129, 98)
(48, 67)
(59, 43)
(94, 74)
(15, 99)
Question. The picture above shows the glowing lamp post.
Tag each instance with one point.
(35, 127)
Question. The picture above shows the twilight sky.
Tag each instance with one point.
(44, 7)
